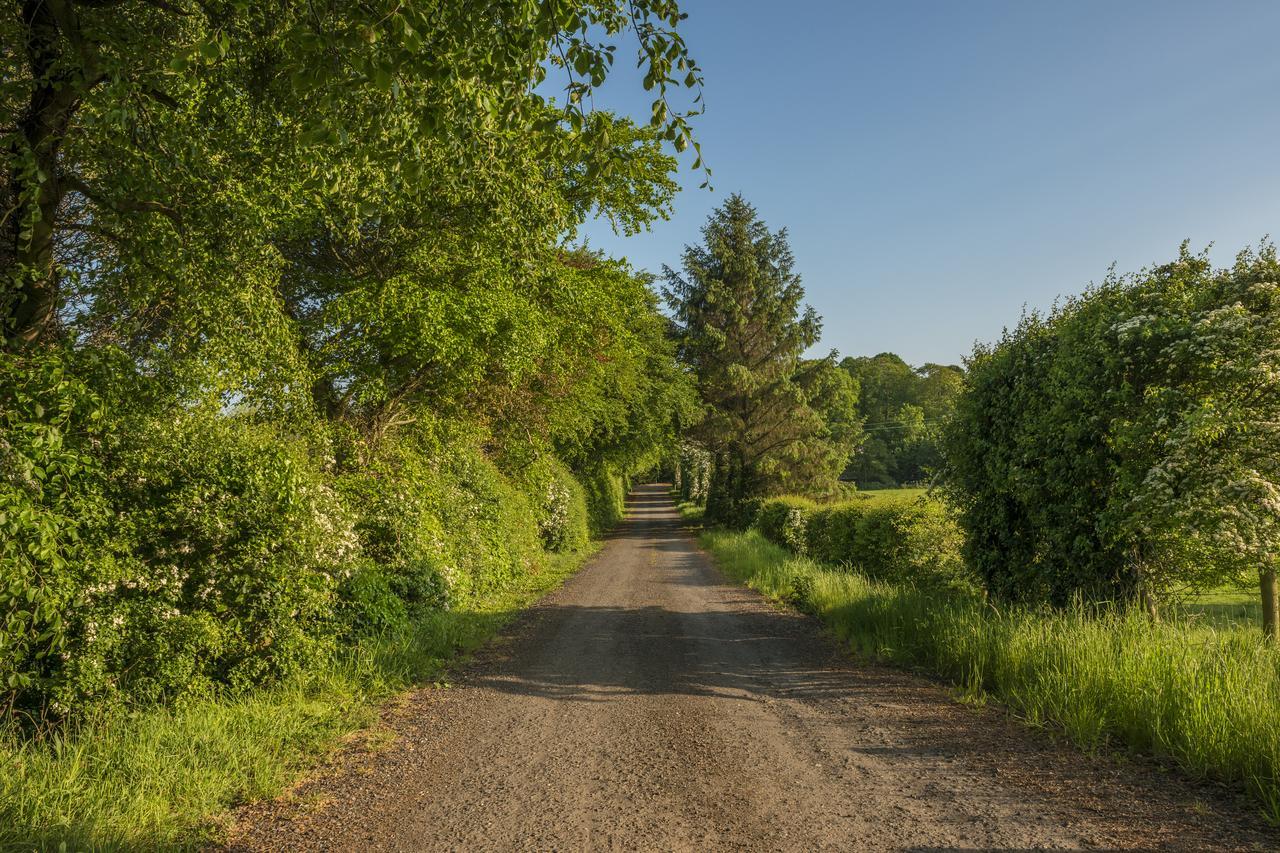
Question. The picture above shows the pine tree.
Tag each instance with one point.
(742, 331)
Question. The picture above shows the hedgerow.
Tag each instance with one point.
(911, 539)
(1123, 446)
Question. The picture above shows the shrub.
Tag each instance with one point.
(913, 540)
(227, 549)
(900, 538)
(397, 503)
(51, 511)
(1123, 445)
(491, 531)
(606, 496)
(783, 520)
(369, 604)
(832, 532)
(558, 501)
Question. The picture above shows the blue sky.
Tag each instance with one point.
(939, 165)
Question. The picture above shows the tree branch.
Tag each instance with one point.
(76, 183)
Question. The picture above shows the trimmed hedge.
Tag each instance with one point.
(906, 539)
(784, 520)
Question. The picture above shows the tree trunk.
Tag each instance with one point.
(34, 180)
(1270, 603)
(1146, 598)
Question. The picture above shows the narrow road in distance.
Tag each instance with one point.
(651, 705)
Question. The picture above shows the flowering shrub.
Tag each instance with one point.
(784, 520)
(1124, 445)
(558, 502)
(228, 547)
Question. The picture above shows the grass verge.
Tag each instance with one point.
(1209, 699)
(153, 779)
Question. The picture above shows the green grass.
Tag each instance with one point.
(879, 495)
(1225, 607)
(158, 778)
(1208, 698)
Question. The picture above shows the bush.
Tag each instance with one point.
(51, 511)
(1123, 445)
(606, 496)
(369, 603)
(491, 530)
(227, 548)
(784, 521)
(899, 538)
(559, 503)
(832, 532)
(912, 540)
(397, 504)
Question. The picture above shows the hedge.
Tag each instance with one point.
(909, 539)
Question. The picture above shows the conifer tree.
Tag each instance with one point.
(742, 331)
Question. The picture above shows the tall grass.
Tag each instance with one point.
(1207, 698)
(154, 778)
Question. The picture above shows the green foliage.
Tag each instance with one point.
(177, 129)
(742, 332)
(606, 493)
(559, 504)
(785, 521)
(50, 505)
(903, 410)
(151, 779)
(909, 538)
(1210, 700)
(279, 332)
(228, 544)
(1124, 444)
(692, 473)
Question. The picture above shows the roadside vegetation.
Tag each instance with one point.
(1207, 698)
(154, 778)
(305, 380)
(1103, 480)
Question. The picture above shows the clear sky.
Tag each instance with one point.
(941, 164)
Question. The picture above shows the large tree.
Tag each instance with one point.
(742, 330)
(158, 133)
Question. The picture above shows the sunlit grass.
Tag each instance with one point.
(1208, 698)
(1224, 607)
(153, 779)
(888, 494)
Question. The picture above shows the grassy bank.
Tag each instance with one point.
(154, 779)
(1205, 697)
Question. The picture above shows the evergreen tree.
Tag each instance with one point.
(742, 330)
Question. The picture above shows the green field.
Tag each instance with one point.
(1222, 608)
(888, 494)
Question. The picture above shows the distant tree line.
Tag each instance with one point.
(902, 410)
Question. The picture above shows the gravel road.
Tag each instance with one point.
(651, 705)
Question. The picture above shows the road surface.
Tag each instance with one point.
(649, 704)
